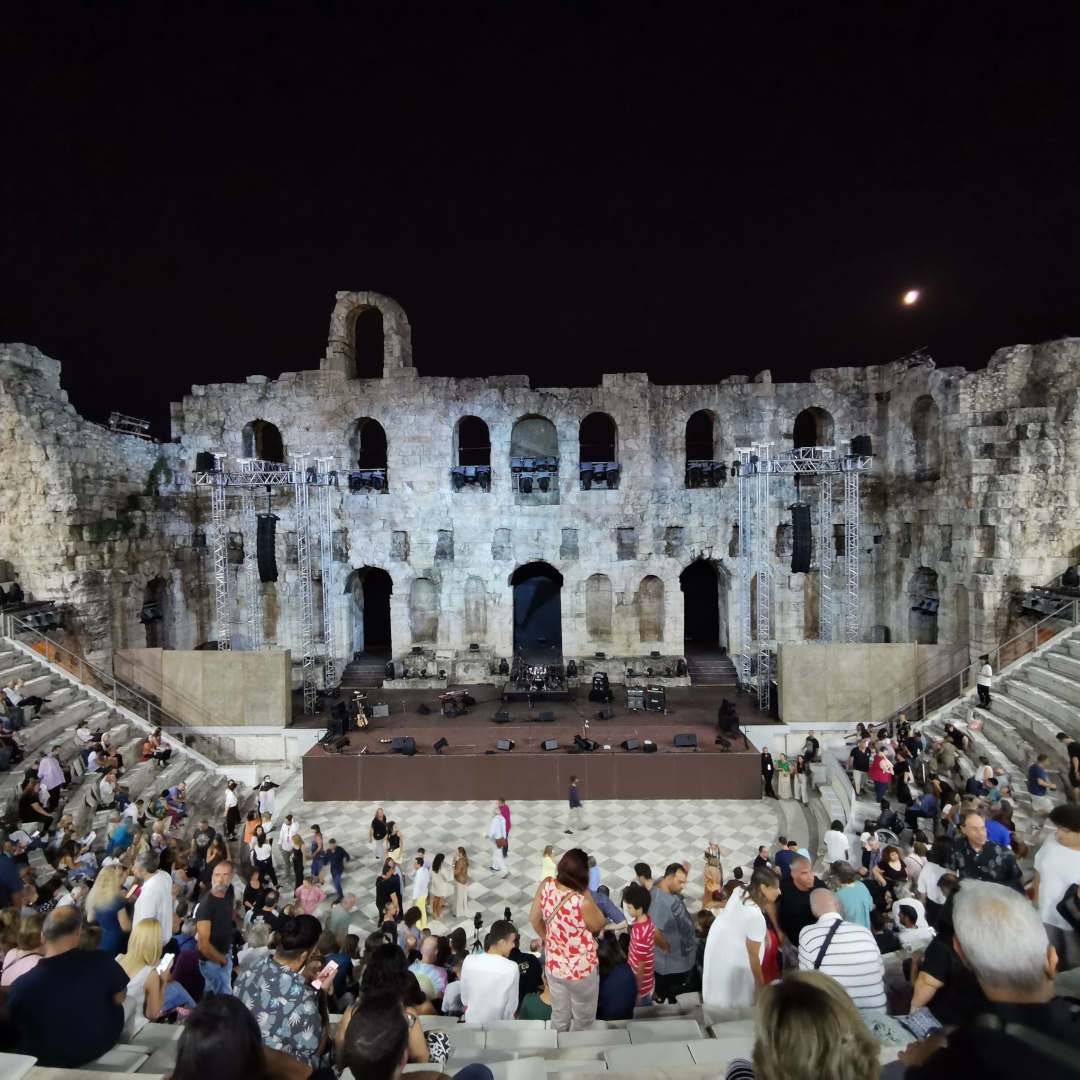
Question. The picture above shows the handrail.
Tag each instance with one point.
(101, 680)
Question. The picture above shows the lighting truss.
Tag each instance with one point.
(764, 577)
(746, 573)
(251, 574)
(851, 551)
(324, 468)
(307, 599)
(217, 482)
(826, 550)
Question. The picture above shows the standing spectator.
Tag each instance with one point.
(377, 834)
(489, 980)
(1039, 786)
(90, 978)
(214, 932)
(801, 779)
(232, 810)
(793, 910)
(1057, 866)
(51, 776)
(1072, 774)
(420, 883)
(881, 773)
(395, 844)
(388, 892)
(668, 911)
(310, 896)
(636, 901)
(973, 856)
(296, 857)
(566, 918)
(784, 856)
(461, 883)
(262, 856)
(547, 862)
(155, 899)
(316, 850)
(576, 808)
(858, 764)
(855, 899)
(504, 809)
(105, 906)
(847, 952)
(983, 681)
(251, 823)
(768, 771)
(497, 835)
(336, 858)
(266, 797)
(837, 848)
(440, 886)
(285, 838)
(735, 947)
(761, 859)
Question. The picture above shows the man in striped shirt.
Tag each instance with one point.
(843, 950)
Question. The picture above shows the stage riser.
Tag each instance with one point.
(517, 776)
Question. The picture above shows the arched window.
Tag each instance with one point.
(598, 621)
(368, 343)
(472, 442)
(424, 610)
(262, 440)
(598, 451)
(534, 457)
(926, 431)
(650, 605)
(367, 456)
(702, 468)
(813, 427)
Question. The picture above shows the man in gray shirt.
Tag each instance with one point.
(670, 917)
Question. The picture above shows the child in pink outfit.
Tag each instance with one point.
(310, 895)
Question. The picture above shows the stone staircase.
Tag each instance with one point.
(365, 673)
(710, 669)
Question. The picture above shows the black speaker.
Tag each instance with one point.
(631, 744)
(502, 717)
(688, 739)
(423, 710)
(265, 547)
(341, 743)
(504, 744)
(802, 542)
(550, 744)
(648, 747)
(546, 718)
(606, 714)
(862, 446)
(403, 744)
(441, 745)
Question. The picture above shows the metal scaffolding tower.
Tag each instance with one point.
(327, 476)
(248, 523)
(307, 599)
(218, 480)
(826, 549)
(763, 569)
(746, 666)
(851, 550)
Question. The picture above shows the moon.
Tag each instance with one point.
(911, 297)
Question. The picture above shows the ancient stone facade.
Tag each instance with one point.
(973, 497)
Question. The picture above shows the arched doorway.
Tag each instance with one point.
(369, 590)
(154, 613)
(813, 427)
(923, 616)
(368, 343)
(537, 613)
(262, 440)
(704, 587)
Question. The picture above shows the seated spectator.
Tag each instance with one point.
(1022, 1029)
(432, 978)
(31, 807)
(843, 950)
(150, 992)
(618, 987)
(15, 696)
(284, 1003)
(29, 949)
(90, 983)
(808, 1027)
(345, 957)
(537, 1006)
(154, 749)
(975, 857)
(256, 946)
(489, 980)
(909, 919)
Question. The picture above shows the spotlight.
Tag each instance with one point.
(441, 745)
(525, 485)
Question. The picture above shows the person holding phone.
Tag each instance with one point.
(151, 993)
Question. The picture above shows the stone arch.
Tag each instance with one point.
(926, 432)
(534, 436)
(424, 611)
(537, 607)
(650, 609)
(472, 442)
(923, 599)
(262, 440)
(599, 620)
(341, 341)
(475, 610)
(369, 589)
(156, 613)
(367, 444)
(813, 427)
(598, 438)
(705, 585)
(701, 436)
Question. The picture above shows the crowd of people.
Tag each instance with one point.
(243, 930)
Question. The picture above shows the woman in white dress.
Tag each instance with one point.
(736, 944)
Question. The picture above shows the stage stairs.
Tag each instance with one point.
(364, 673)
(710, 668)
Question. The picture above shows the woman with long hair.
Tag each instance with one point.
(735, 948)
(377, 835)
(800, 777)
(461, 883)
(315, 850)
(105, 906)
(27, 952)
(150, 993)
(439, 887)
(221, 1041)
(262, 856)
(565, 917)
(296, 857)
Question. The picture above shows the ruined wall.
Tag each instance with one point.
(973, 497)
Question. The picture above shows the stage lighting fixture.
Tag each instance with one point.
(441, 745)
(505, 744)
(550, 744)
(544, 482)
(631, 744)
(525, 485)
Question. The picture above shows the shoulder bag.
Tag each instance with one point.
(826, 943)
(1068, 906)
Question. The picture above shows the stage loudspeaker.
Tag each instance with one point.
(648, 747)
(423, 710)
(606, 714)
(504, 744)
(550, 744)
(340, 744)
(546, 718)
(403, 744)
(441, 745)
(862, 446)
(687, 739)
(802, 544)
(631, 744)
(265, 547)
(502, 717)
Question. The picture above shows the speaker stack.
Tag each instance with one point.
(265, 539)
(802, 542)
(687, 740)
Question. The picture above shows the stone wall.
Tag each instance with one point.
(973, 497)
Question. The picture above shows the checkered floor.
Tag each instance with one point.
(618, 834)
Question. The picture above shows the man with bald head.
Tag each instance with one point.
(844, 950)
(793, 907)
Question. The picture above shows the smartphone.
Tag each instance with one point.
(165, 963)
(326, 976)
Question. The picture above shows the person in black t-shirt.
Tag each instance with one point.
(793, 907)
(254, 893)
(69, 1008)
(1072, 775)
(388, 885)
(214, 931)
(530, 967)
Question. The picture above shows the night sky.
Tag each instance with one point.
(561, 192)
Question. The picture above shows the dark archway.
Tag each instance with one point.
(155, 613)
(700, 586)
(924, 598)
(368, 343)
(598, 438)
(537, 613)
(472, 442)
(367, 444)
(262, 440)
(813, 427)
(369, 590)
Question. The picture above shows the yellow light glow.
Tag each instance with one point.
(911, 297)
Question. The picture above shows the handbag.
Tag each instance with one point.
(554, 912)
(1068, 906)
(501, 843)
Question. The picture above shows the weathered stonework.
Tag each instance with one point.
(974, 495)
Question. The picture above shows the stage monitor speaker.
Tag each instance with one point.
(648, 747)
(802, 543)
(403, 744)
(631, 744)
(550, 744)
(505, 744)
(265, 547)
(862, 445)
(441, 745)
(687, 739)
(546, 718)
(423, 710)
(502, 717)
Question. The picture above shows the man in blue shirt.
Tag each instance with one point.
(1039, 786)
(335, 857)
